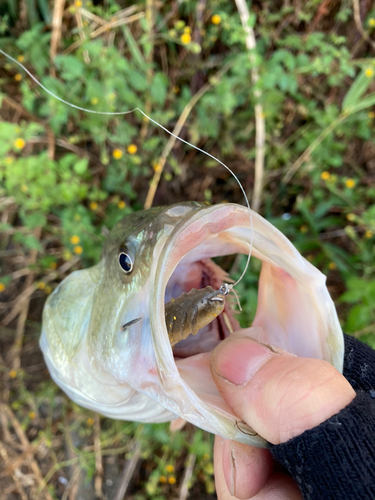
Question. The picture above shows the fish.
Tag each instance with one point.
(105, 337)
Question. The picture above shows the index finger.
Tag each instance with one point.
(240, 470)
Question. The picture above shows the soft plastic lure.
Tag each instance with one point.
(192, 311)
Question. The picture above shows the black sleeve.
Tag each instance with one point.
(336, 460)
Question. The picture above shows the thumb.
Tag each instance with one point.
(276, 393)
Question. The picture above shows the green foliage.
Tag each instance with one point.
(69, 173)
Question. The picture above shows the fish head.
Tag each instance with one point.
(105, 337)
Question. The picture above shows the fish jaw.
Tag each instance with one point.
(294, 311)
(133, 374)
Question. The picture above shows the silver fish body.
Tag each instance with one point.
(105, 339)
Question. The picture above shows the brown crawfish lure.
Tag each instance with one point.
(192, 311)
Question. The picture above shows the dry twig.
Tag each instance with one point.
(58, 12)
(150, 18)
(307, 153)
(15, 476)
(82, 36)
(15, 352)
(184, 491)
(176, 132)
(106, 28)
(358, 23)
(260, 128)
(98, 458)
(30, 461)
(17, 304)
(128, 472)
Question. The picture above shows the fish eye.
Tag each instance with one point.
(126, 262)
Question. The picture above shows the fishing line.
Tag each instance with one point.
(227, 287)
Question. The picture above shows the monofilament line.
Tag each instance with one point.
(119, 113)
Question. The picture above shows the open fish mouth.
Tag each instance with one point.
(105, 336)
(295, 311)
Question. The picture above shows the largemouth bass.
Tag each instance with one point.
(106, 341)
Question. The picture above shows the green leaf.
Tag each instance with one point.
(159, 88)
(28, 240)
(80, 167)
(34, 220)
(134, 49)
(359, 317)
(138, 81)
(367, 102)
(71, 67)
(356, 91)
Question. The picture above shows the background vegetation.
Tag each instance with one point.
(66, 174)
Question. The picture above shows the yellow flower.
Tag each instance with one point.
(18, 77)
(169, 468)
(19, 143)
(41, 285)
(350, 217)
(163, 479)
(157, 167)
(78, 250)
(216, 19)
(325, 176)
(74, 240)
(24, 188)
(332, 266)
(121, 204)
(20, 58)
(369, 72)
(94, 100)
(53, 265)
(371, 22)
(93, 206)
(32, 415)
(185, 38)
(12, 374)
(172, 480)
(90, 421)
(77, 3)
(2, 287)
(304, 229)
(47, 289)
(369, 234)
(9, 160)
(371, 115)
(350, 183)
(117, 154)
(132, 149)
(187, 29)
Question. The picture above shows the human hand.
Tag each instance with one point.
(277, 394)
